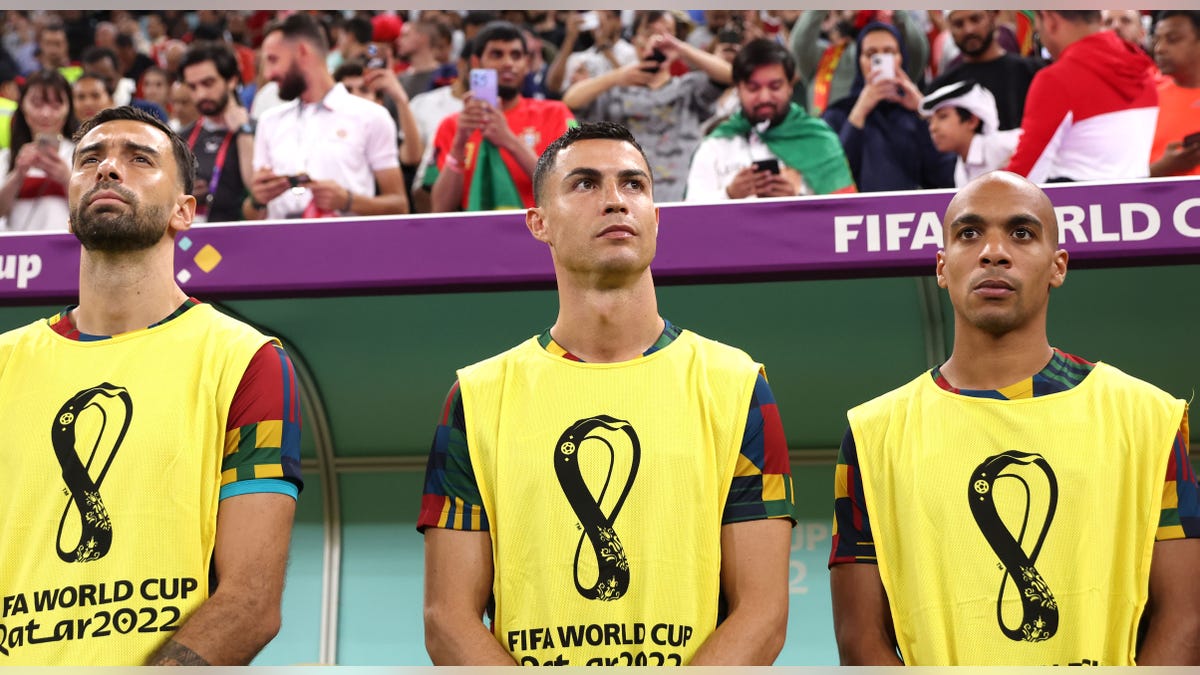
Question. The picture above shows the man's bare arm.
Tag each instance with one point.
(250, 559)
(1173, 611)
(754, 579)
(862, 620)
(458, 583)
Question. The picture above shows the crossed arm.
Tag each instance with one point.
(243, 614)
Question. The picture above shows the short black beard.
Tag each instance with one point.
(221, 104)
(292, 85)
(108, 232)
(987, 43)
(507, 93)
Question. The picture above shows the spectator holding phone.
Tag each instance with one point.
(884, 137)
(665, 113)
(770, 147)
(325, 151)
(1176, 149)
(484, 156)
(37, 165)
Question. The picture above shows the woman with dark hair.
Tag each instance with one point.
(37, 166)
(885, 139)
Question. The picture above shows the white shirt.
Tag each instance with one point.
(431, 107)
(988, 152)
(718, 160)
(343, 138)
(40, 213)
(596, 63)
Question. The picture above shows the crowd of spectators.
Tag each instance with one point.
(311, 114)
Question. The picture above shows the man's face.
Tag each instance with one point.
(90, 97)
(106, 70)
(280, 60)
(663, 26)
(154, 27)
(728, 51)
(766, 94)
(597, 211)
(411, 41)
(878, 42)
(949, 132)
(1177, 47)
(973, 30)
(1125, 22)
(125, 194)
(210, 92)
(53, 47)
(1001, 255)
(155, 87)
(510, 62)
(357, 85)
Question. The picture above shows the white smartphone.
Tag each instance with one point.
(883, 65)
(483, 86)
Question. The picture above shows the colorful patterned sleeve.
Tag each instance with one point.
(852, 539)
(762, 482)
(262, 437)
(451, 495)
(1180, 516)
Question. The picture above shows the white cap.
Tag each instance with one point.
(968, 95)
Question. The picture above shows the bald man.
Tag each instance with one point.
(1008, 506)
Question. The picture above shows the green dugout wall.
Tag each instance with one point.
(378, 367)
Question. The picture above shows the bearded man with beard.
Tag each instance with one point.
(985, 61)
(808, 158)
(326, 152)
(146, 434)
(223, 138)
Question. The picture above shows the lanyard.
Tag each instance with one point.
(218, 163)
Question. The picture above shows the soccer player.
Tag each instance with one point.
(151, 454)
(612, 489)
(1008, 507)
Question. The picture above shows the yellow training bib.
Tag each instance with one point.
(605, 485)
(1016, 532)
(110, 461)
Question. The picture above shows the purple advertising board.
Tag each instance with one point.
(1101, 224)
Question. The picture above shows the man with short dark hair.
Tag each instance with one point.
(152, 443)
(1006, 75)
(615, 471)
(102, 62)
(53, 51)
(223, 137)
(485, 155)
(322, 153)
(807, 155)
(1016, 505)
(1176, 149)
(1089, 115)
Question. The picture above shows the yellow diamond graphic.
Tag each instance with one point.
(207, 258)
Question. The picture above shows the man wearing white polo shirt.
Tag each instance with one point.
(325, 151)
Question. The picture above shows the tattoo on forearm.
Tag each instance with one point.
(176, 654)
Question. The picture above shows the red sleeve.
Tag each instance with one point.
(1045, 107)
(443, 138)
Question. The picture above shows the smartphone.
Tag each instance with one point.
(1192, 139)
(591, 21)
(48, 141)
(771, 165)
(483, 86)
(299, 180)
(658, 56)
(883, 65)
(374, 58)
